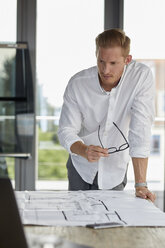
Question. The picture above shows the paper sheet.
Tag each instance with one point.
(103, 208)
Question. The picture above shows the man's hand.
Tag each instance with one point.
(94, 153)
(91, 153)
(144, 193)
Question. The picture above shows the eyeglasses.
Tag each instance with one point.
(115, 149)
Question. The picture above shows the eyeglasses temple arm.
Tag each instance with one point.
(121, 132)
(99, 137)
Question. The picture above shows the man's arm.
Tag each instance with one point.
(91, 153)
(140, 171)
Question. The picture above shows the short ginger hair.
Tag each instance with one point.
(113, 38)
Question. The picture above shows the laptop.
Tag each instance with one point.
(11, 228)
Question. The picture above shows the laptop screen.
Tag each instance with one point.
(11, 229)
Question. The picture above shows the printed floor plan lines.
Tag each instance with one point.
(97, 209)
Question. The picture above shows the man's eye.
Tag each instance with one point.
(113, 63)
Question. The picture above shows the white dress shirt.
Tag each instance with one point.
(86, 106)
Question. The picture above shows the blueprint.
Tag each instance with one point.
(93, 208)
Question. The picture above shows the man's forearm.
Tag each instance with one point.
(79, 148)
(140, 169)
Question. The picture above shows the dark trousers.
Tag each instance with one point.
(77, 183)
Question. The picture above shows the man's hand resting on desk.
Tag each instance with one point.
(144, 193)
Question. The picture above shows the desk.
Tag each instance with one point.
(115, 237)
(118, 237)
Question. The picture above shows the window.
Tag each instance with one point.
(8, 16)
(66, 32)
(148, 47)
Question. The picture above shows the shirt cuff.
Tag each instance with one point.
(139, 152)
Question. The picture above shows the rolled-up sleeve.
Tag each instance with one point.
(70, 120)
(142, 116)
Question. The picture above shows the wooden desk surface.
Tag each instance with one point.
(119, 237)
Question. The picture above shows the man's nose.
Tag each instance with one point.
(106, 69)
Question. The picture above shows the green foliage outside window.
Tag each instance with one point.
(52, 164)
(10, 167)
(52, 157)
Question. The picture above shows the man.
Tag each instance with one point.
(106, 117)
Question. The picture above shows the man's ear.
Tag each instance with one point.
(128, 59)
